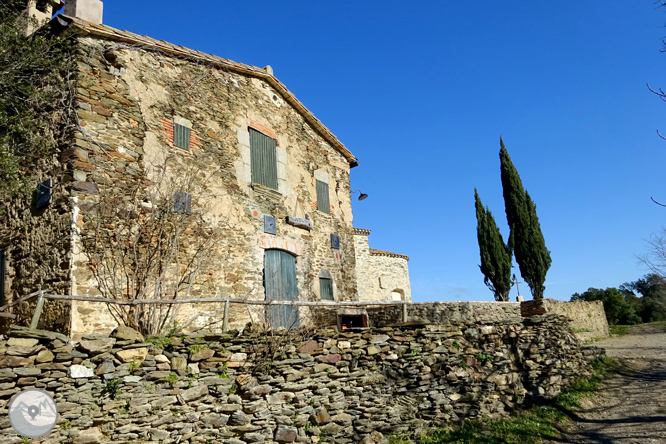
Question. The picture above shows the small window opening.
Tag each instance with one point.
(347, 321)
(181, 136)
(323, 200)
(325, 289)
(42, 6)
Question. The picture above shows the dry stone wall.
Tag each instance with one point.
(324, 386)
(588, 319)
(446, 313)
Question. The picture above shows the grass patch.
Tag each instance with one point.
(619, 330)
(659, 324)
(531, 426)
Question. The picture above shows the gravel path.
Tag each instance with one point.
(631, 406)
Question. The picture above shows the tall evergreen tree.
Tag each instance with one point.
(525, 239)
(495, 254)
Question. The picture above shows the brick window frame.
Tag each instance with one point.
(169, 131)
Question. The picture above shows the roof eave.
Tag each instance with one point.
(85, 28)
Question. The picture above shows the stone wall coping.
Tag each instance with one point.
(466, 302)
(375, 252)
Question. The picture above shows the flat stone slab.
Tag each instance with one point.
(22, 342)
(98, 346)
(80, 371)
(132, 355)
(24, 332)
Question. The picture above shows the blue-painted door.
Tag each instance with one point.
(280, 284)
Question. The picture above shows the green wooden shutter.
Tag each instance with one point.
(3, 254)
(264, 159)
(323, 201)
(280, 283)
(181, 136)
(326, 289)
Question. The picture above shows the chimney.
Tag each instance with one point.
(88, 10)
(40, 12)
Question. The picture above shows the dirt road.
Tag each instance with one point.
(631, 406)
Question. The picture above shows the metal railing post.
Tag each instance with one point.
(38, 311)
(225, 323)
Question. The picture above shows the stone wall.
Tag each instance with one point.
(588, 319)
(38, 248)
(453, 312)
(325, 386)
(382, 275)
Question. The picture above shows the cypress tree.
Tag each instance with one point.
(525, 238)
(495, 254)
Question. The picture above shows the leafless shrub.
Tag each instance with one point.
(149, 242)
(655, 257)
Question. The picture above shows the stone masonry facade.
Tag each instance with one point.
(364, 385)
(224, 106)
(151, 113)
(385, 274)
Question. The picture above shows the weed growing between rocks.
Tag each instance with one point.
(530, 427)
(112, 388)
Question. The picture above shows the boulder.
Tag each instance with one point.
(132, 355)
(126, 333)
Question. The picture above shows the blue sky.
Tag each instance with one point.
(421, 91)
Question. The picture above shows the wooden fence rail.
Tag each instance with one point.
(42, 295)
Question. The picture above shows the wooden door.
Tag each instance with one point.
(280, 284)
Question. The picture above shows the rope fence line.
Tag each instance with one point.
(42, 295)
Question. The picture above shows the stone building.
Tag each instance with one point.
(385, 274)
(260, 185)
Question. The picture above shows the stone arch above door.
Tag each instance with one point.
(269, 242)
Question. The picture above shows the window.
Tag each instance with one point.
(325, 289)
(181, 136)
(182, 202)
(263, 159)
(323, 202)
